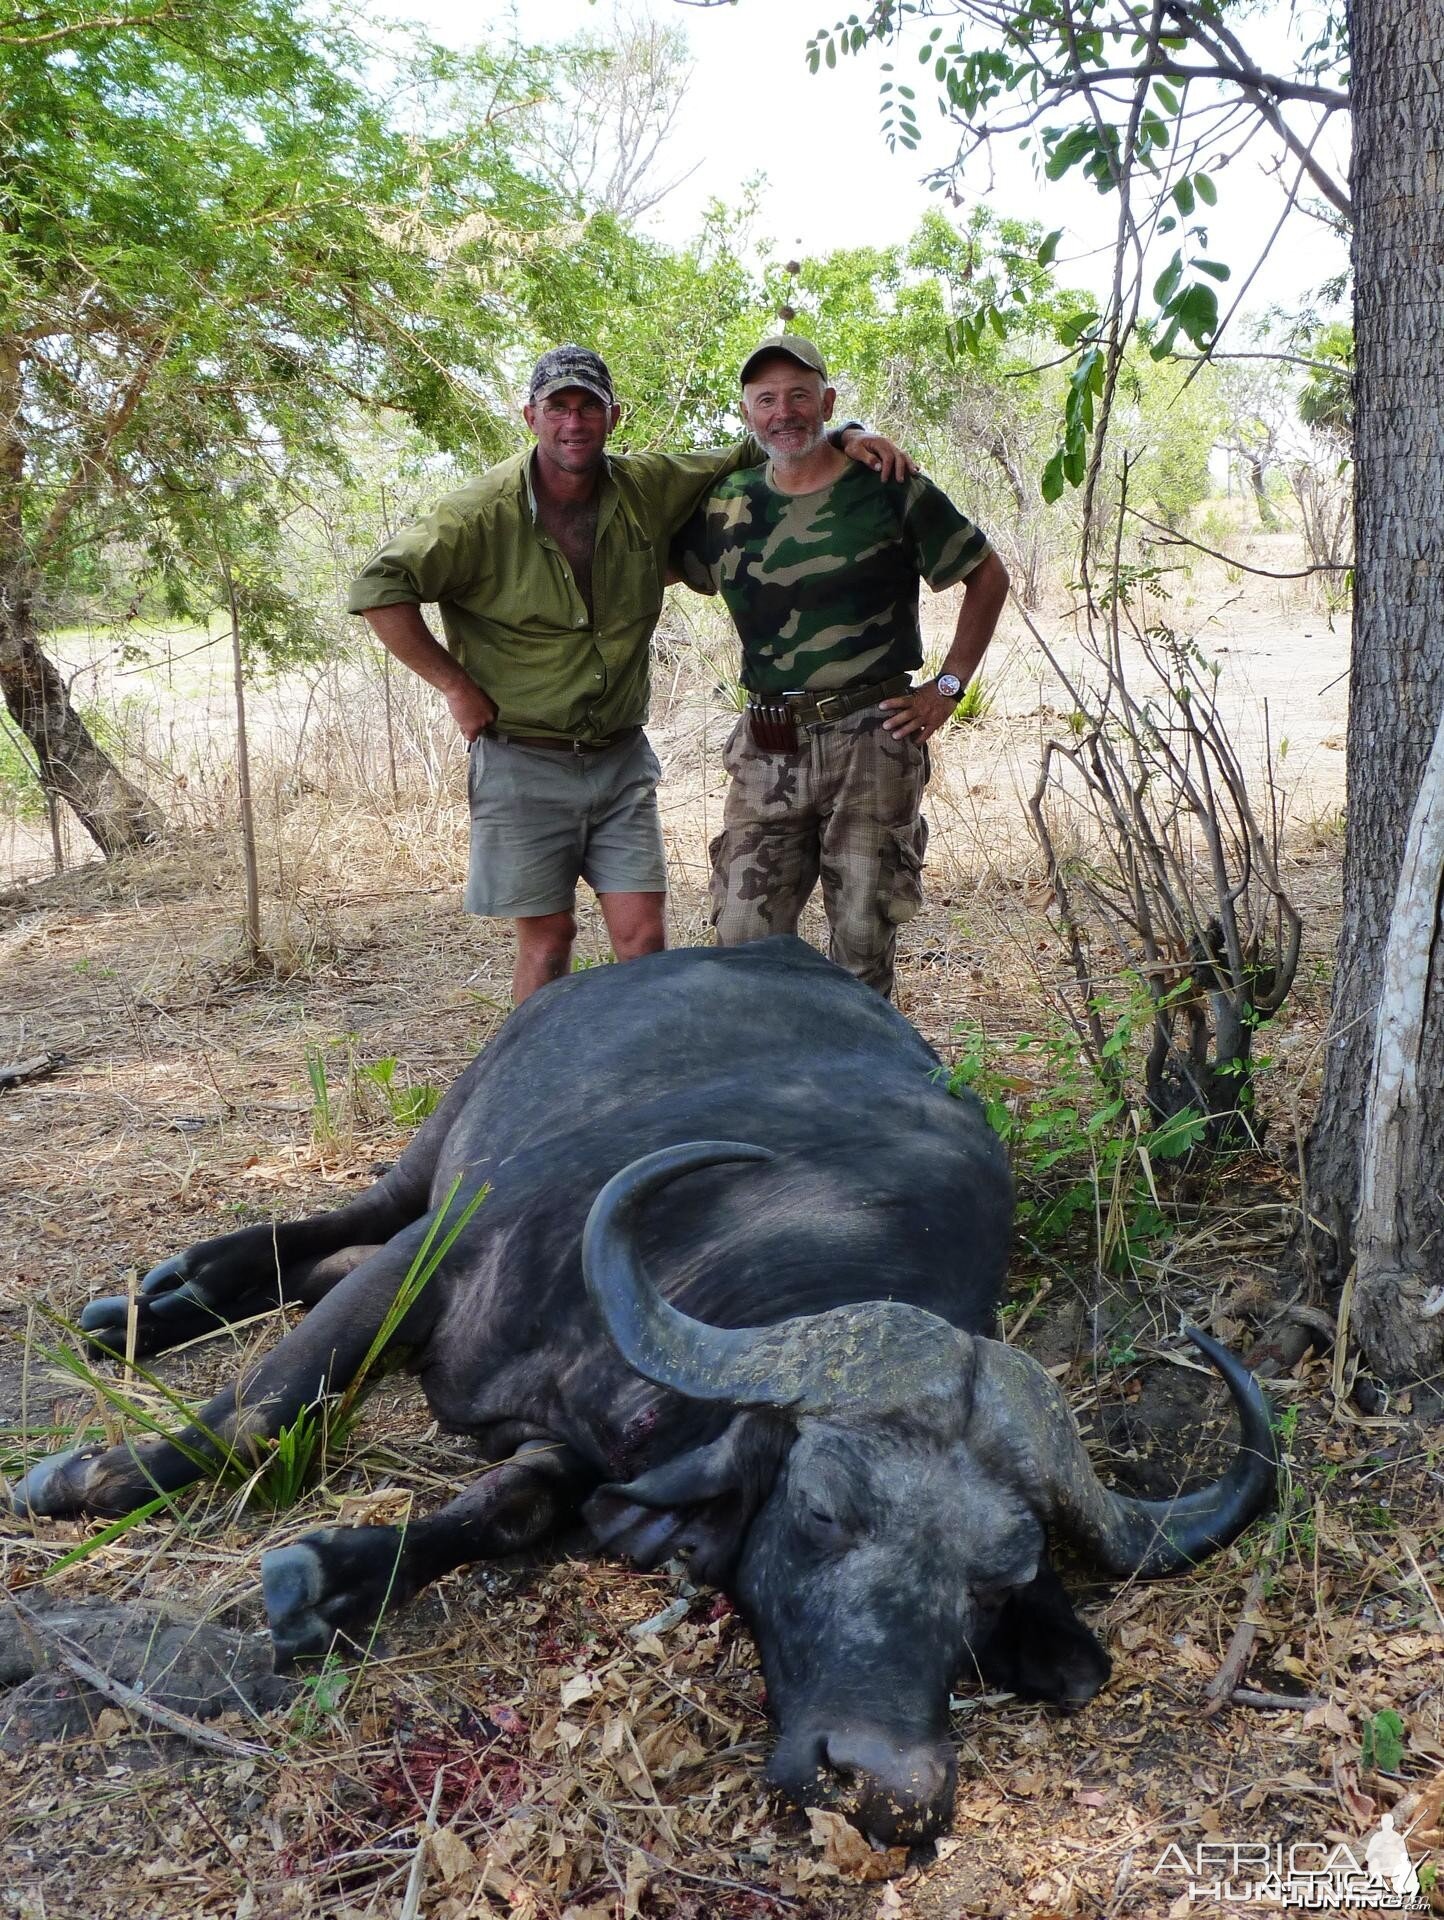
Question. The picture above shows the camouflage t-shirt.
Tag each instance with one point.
(823, 587)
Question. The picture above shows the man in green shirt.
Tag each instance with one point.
(819, 563)
(548, 572)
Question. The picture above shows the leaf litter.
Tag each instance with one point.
(577, 1741)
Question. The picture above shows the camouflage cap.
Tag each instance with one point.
(793, 345)
(571, 366)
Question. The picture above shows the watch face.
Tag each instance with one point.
(949, 685)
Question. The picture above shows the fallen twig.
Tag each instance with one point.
(1223, 1687)
(1282, 1702)
(35, 1068)
(416, 1879)
(1424, 1583)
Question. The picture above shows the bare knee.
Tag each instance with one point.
(544, 944)
(636, 923)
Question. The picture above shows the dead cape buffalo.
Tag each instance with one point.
(773, 1356)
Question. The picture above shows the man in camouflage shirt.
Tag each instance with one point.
(819, 561)
(548, 573)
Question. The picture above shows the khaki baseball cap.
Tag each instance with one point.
(793, 345)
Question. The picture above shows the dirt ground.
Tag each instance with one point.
(564, 1738)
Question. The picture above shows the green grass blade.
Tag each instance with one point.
(429, 1256)
(107, 1534)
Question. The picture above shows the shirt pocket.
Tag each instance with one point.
(630, 587)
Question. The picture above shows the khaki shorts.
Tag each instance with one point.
(542, 819)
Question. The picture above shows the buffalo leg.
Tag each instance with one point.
(318, 1357)
(342, 1579)
(295, 1263)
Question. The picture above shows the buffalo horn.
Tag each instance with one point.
(878, 1353)
(1021, 1414)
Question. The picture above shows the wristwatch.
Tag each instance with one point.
(948, 685)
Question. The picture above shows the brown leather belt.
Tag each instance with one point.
(773, 724)
(564, 746)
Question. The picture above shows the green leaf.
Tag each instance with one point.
(1174, 1136)
(1071, 330)
(1152, 131)
(1215, 269)
(1051, 485)
(1048, 252)
(1183, 195)
(1207, 191)
(1166, 285)
(1197, 312)
(1074, 146)
(1383, 1745)
(1166, 95)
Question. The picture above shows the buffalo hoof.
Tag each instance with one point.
(190, 1295)
(168, 1322)
(340, 1580)
(54, 1486)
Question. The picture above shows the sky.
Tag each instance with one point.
(753, 108)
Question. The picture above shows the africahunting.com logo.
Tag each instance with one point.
(1305, 1877)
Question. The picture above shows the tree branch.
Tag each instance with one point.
(98, 23)
(1170, 538)
(1251, 79)
(1209, 33)
(98, 452)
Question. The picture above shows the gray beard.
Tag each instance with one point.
(790, 456)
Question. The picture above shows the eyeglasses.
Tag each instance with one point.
(556, 408)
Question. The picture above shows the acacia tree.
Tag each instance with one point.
(600, 136)
(1148, 99)
(214, 245)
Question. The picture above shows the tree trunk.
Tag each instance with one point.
(1397, 685)
(243, 779)
(114, 812)
(1267, 518)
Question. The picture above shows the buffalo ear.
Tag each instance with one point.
(1040, 1650)
(700, 1504)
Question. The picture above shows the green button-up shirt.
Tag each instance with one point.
(510, 607)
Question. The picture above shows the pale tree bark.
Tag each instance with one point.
(1396, 698)
(1392, 1284)
(72, 766)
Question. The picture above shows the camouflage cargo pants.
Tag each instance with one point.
(844, 808)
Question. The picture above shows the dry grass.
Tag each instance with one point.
(553, 1761)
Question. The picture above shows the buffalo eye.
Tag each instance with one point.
(821, 1523)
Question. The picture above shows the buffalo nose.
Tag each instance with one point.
(898, 1792)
